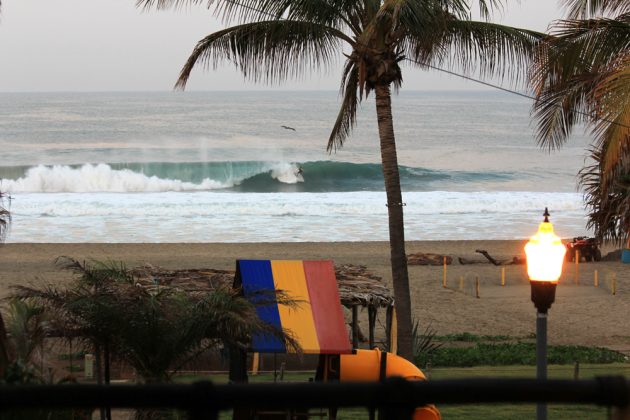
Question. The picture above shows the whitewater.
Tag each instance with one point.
(218, 167)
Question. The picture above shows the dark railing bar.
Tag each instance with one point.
(608, 391)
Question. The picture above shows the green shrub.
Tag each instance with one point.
(472, 338)
(501, 354)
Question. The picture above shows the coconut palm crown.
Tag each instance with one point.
(274, 40)
(582, 77)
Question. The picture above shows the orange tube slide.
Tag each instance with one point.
(365, 365)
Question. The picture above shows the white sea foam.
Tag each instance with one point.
(90, 178)
(251, 217)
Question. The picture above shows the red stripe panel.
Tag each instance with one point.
(327, 312)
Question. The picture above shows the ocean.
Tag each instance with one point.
(253, 167)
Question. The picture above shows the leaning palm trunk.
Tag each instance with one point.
(389, 160)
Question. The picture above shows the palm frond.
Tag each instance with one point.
(559, 108)
(166, 4)
(155, 330)
(607, 201)
(566, 73)
(261, 50)
(583, 9)
(96, 273)
(26, 327)
(487, 7)
(612, 130)
(488, 49)
(346, 119)
(333, 13)
(585, 44)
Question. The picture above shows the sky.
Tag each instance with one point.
(110, 45)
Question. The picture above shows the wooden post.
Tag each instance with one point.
(461, 283)
(238, 364)
(614, 283)
(477, 286)
(283, 366)
(355, 327)
(576, 370)
(394, 334)
(255, 363)
(595, 278)
(502, 276)
(444, 274)
(577, 267)
(388, 327)
(372, 324)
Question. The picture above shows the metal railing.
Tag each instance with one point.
(396, 397)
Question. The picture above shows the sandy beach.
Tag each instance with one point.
(582, 314)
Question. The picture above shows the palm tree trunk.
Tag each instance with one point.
(400, 276)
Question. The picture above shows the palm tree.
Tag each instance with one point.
(273, 40)
(582, 76)
(26, 328)
(156, 331)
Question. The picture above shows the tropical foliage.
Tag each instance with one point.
(273, 40)
(26, 328)
(582, 76)
(155, 330)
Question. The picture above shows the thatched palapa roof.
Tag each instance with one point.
(357, 286)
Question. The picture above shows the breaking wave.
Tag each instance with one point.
(246, 176)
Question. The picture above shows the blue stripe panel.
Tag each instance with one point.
(257, 277)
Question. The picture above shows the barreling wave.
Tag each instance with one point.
(246, 176)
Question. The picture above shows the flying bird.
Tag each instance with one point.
(286, 127)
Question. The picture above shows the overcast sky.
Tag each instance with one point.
(109, 45)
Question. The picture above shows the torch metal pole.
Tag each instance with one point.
(541, 358)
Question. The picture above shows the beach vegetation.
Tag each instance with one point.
(424, 342)
(272, 41)
(581, 77)
(155, 330)
(503, 354)
(23, 339)
(472, 338)
(26, 328)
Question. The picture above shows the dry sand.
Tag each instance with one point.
(582, 314)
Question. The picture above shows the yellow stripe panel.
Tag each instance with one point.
(288, 276)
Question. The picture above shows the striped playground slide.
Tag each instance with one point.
(317, 323)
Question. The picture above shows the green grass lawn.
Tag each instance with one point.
(479, 411)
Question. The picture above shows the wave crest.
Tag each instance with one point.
(105, 178)
(238, 176)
